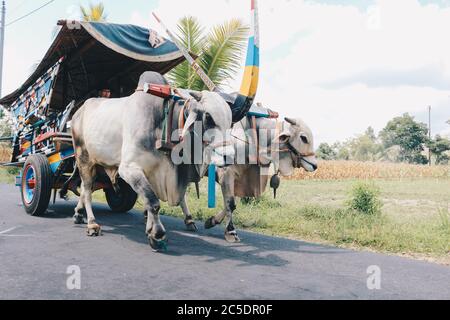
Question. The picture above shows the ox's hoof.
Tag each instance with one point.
(210, 223)
(78, 219)
(232, 237)
(158, 245)
(191, 226)
(94, 230)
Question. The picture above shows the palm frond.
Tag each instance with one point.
(84, 13)
(221, 58)
(191, 36)
(94, 13)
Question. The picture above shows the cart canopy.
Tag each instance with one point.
(97, 56)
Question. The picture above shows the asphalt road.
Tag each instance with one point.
(35, 253)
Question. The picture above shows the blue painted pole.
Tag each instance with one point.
(212, 186)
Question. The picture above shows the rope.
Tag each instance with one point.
(29, 13)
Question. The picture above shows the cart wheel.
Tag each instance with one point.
(123, 201)
(36, 185)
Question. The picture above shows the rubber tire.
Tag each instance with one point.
(122, 202)
(43, 188)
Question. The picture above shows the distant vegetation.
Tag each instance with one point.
(5, 131)
(402, 140)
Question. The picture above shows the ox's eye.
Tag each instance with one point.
(304, 139)
(209, 121)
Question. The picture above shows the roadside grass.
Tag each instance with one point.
(8, 175)
(414, 220)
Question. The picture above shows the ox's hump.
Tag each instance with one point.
(152, 77)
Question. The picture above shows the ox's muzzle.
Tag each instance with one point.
(300, 160)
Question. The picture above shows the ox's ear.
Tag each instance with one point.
(196, 95)
(285, 136)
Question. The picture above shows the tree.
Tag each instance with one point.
(370, 133)
(365, 148)
(219, 51)
(342, 150)
(409, 135)
(5, 126)
(439, 146)
(326, 152)
(95, 13)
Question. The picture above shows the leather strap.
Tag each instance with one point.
(181, 120)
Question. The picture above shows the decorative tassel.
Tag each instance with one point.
(275, 182)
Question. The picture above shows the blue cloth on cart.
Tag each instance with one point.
(130, 39)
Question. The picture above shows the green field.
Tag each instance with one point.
(415, 218)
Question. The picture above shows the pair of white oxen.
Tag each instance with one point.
(120, 136)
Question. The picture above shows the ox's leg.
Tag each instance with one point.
(227, 185)
(78, 217)
(87, 174)
(155, 230)
(188, 220)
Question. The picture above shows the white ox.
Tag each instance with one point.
(289, 145)
(119, 136)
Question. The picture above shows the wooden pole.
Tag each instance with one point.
(429, 134)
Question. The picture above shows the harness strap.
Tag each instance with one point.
(181, 120)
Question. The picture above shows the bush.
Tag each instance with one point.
(13, 170)
(364, 198)
(263, 202)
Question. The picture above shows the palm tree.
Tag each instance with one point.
(219, 52)
(95, 13)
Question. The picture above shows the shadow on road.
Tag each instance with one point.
(254, 249)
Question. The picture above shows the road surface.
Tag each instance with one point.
(36, 252)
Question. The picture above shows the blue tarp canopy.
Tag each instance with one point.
(132, 41)
(100, 55)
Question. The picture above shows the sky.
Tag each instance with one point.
(341, 66)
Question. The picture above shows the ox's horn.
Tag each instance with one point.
(250, 81)
(196, 95)
(291, 121)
